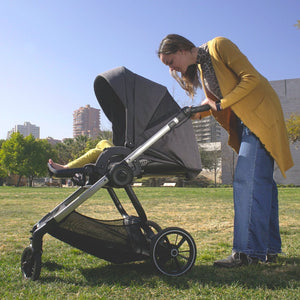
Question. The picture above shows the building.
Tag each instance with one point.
(86, 121)
(289, 95)
(26, 130)
(208, 136)
(52, 141)
(207, 130)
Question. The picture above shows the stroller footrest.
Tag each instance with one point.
(64, 173)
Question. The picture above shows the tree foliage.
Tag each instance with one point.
(105, 135)
(37, 153)
(25, 156)
(28, 156)
(12, 155)
(293, 128)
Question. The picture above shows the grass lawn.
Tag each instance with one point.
(207, 214)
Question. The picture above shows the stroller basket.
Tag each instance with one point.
(117, 241)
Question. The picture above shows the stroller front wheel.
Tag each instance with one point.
(31, 264)
(173, 251)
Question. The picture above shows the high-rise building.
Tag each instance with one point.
(86, 121)
(208, 136)
(26, 130)
(207, 130)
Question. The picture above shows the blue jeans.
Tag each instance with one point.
(256, 222)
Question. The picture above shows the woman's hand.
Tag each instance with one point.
(210, 102)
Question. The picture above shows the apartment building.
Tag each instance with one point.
(207, 130)
(86, 121)
(26, 130)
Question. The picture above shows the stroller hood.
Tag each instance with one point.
(137, 108)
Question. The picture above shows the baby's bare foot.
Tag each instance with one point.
(57, 166)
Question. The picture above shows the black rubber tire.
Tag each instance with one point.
(173, 251)
(31, 264)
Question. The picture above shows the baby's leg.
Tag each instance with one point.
(87, 158)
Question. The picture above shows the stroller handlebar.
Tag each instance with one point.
(201, 108)
(187, 111)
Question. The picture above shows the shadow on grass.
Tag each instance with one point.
(285, 274)
(52, 266)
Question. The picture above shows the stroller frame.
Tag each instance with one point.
(172, 250)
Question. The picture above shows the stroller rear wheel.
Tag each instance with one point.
(31, 264)
(173, 251)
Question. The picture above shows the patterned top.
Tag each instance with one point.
(208, 73)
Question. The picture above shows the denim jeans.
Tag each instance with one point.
(256, 224)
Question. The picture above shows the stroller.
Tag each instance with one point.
(143, 115)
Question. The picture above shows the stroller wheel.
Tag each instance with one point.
(173, 251)
(31, 264)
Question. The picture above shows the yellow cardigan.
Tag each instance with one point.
(250, 96)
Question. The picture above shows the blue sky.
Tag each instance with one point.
(51, 51)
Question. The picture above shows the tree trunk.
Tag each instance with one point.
(30, 181)
(215, 173)
(19, 180)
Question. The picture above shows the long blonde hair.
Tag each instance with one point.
(189, 81)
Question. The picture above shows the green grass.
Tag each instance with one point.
(207, 214)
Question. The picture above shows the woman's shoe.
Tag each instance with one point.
(271, 258)
(236, 259)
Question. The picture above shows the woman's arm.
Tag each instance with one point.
(238, 63)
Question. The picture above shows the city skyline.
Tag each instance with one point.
(92, 130)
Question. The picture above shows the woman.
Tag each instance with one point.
(245, 104)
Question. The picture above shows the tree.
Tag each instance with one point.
(3, 174)
(105, 135)
(37, 153)
(12, 155)
(79, 145)
(1, 142)
(298, 24)
(211, 160)
(64, 151)
(25, 156)
(293, 127)
(70, 149)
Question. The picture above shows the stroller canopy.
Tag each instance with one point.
(138, 108)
